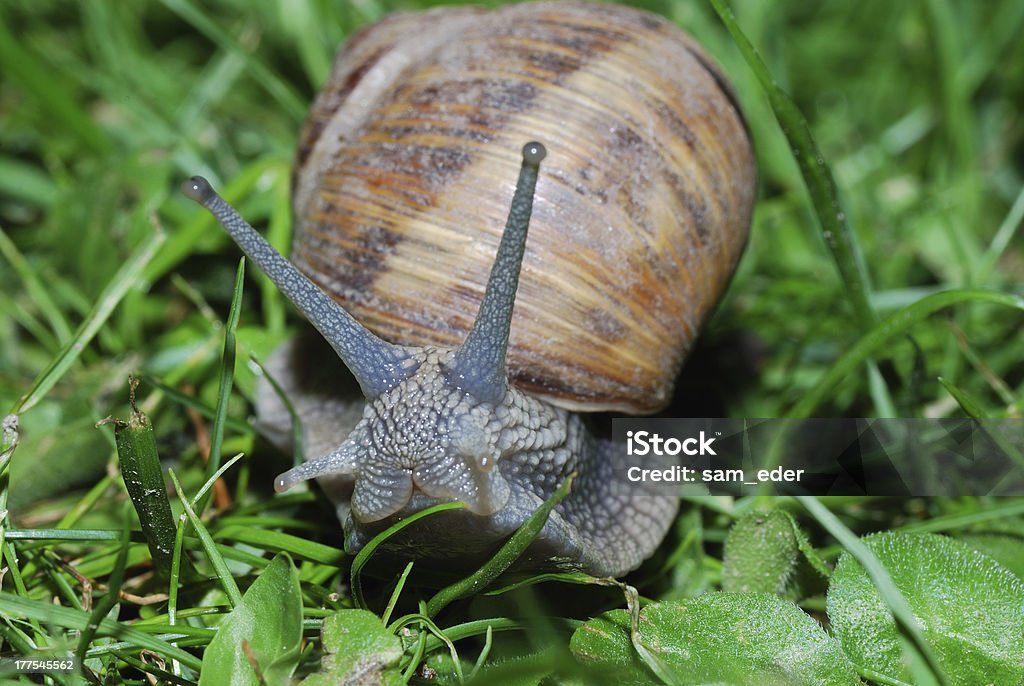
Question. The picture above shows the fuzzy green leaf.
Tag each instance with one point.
(1004, 545)
(603, 643)
(263, 631)
(969, 607)
(760, 553)
(744, 639)
(359, 649)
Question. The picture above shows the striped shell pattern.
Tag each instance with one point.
(407, 164)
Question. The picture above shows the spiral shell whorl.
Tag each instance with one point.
(406, 170)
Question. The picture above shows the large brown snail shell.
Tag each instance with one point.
(407, 164)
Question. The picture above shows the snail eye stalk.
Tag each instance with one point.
(479, 363)
(376, 364)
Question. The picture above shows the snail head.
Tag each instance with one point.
(437, 420)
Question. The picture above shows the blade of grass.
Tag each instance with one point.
(415, 656)
(213, 84)
(223, 573)
(126, 277)
(227, 377)
(958, 110)
(431, 629)
(839, 238)
(971, 408)
(10, 558)
(173, 585)
(107, 602)
(1001, 512)
(68, 618)
(503, 559)
(34, 287)
(968, 404)
(995, 382)
(896, 324)
(144, 481)
(17, 638)
(48, 87)
(208, 485)
(8, 443)
(817, 176)
(36, 329)
(484, 652)
(85, 503)
(27, 183)
(90, 535)
(56, 571)
(1001, 241)
(276, 87)
(282, 542)
(386, 616)
(577, 578)
(364, 555)
(192, 403)
(898, 605)
(479, 627)
(155, 674)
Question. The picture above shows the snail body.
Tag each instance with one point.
(475, 368)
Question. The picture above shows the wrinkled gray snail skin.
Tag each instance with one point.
(484, 364)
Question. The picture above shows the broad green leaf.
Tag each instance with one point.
(760, 553)
(969, 607)
(359, 649)
(1005, 547)
(744, 639)
(265, 629)
(604, 644)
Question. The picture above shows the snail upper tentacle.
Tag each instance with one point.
(479, 363)
(376, 364)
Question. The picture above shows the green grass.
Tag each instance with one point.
(105, 107)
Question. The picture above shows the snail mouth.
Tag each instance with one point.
(483, 491)
(380, 493)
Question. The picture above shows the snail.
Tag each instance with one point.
(479, 353)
